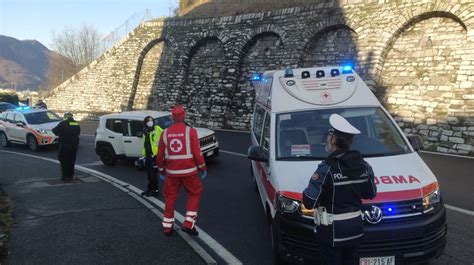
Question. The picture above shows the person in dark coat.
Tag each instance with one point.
(68, 132)
(335, 191)
(40, 104)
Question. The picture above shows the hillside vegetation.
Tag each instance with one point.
(207, 8)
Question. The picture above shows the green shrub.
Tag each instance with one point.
(9, 97)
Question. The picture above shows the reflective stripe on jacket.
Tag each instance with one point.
(155, 136)
(339, 184)
(179, 152)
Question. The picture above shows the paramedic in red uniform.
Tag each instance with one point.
(181, 163)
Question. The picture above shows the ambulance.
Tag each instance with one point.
(289, 129)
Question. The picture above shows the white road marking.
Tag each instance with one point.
(443, 154)
(228, 257)
(460, 210)
(95, 163)
(233, 153)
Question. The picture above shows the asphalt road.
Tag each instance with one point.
(232, 214)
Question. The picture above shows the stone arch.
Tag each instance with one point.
(332, 45)
(421, 82)
(202, 92)
(409, 23)
(263, 51)
(148, 62)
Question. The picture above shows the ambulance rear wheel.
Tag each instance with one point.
(32, 143)
(252, 175)
(4, 140)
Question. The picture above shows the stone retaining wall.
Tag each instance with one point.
(418, 56)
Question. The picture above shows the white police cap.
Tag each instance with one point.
(340, 124)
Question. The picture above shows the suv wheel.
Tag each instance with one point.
(32, 143)
(4, 140)
(107, 156)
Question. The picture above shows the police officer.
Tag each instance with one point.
(151, 136)
(181, 163)
(68, 132)
(40, 104)
(336, 191)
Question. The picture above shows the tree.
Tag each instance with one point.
(81, 46)
(9, 97)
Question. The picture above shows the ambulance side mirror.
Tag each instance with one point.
(256, 153)
(416, 142)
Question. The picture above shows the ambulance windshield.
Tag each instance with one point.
(302, 135)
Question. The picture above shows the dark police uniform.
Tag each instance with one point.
(68, 132)
(339, 184)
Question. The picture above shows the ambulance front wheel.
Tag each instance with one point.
(277, 258)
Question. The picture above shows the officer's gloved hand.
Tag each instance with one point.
(203, 174)
(162, 177)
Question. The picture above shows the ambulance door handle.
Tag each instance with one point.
(111, 137)
(128, 141)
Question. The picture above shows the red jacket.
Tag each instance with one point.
(179, 152)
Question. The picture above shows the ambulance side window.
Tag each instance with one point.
(258, 117)
(266, 135)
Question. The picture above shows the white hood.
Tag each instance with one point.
(203, 132)
(45, 126)
(392, 174)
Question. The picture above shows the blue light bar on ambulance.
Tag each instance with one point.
(289, 73)
(347, 69)
(256, 77)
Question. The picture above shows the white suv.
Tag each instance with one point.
(119, 135)
(28, 126)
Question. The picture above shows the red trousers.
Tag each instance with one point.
(193, 187)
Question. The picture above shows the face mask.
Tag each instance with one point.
(149, 124)
(328, 146)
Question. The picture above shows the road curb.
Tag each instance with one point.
(205, 238)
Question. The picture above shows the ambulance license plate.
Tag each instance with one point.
(390, 260)
(210, 153)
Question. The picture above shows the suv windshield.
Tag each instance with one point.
(164, 122)
(41, 117)
(302, 135)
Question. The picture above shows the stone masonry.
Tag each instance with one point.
(418, 56)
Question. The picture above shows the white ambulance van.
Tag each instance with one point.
(289, 129)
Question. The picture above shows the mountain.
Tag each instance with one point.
(28, 64)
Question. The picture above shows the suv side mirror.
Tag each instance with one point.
(255, 152)
(416, 142)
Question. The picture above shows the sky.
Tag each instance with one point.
(38, 19)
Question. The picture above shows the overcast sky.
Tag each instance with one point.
(37, 19)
